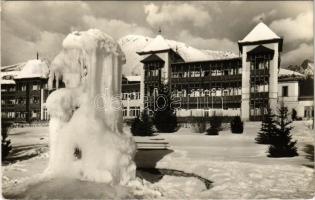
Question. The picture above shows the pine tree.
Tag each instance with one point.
(5, 143)
(294, 114)
(268, 128)
(142, 126)
(215, 125)
(165, 119)
(282, 144)
(135, 126)
(237, 126)
(147, 123)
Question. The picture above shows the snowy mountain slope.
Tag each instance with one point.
(309, 70)
(306, 68)
(131, 44)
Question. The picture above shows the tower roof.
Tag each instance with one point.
(261, 32)
(157, 44)
(152, 57)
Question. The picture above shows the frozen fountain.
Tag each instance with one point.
(85, 130)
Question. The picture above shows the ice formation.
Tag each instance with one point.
(86, 137)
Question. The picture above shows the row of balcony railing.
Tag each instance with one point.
(203, 100)
(207, 78)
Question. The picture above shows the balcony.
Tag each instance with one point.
(8, 95)
(187, 80)
(259, 72)
(203, 100)
(237, 77)
(208, 99)
(35, 92)
(35, 106)
(259, 95)
(152, 79)
(7, 107)
(20, 107)
(20, 93)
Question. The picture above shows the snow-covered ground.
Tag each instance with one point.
(234, 163)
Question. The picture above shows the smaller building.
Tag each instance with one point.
(296, 93)
(131, 96)
(24, 91)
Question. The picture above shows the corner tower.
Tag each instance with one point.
(157, 56)
(260, 51)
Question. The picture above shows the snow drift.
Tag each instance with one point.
(86, 137)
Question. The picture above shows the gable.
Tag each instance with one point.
(152, 58)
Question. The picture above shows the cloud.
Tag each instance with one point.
(264, 16)
(29, 18)
(176, 13)
(115, 28)
(296, 56)
(16, 49)
(208, 43)
(299, 28)
(209, 25)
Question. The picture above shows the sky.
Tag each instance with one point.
(31, 26)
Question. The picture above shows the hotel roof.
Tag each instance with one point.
(261, 32)
(157, 44)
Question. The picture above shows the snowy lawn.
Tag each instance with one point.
(234, 163)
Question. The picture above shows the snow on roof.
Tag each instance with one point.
(34, 69)
(157, 44)
(286, 72)
(7, 82)
(186, 52)
(8, 76)
(14, 67)
(133, 78)
(259, 33)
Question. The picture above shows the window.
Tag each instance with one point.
(284, 91)
(11, 101)
(46, 115)
(11, 89)
(35, 100)
(3, 114)
(21, 115)
(125, 112)
(35, 87)
(35, 114)
(11, 114)
(21, 88)
(134, 111)
(308, 111)
(125, 96)
(21, 101)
